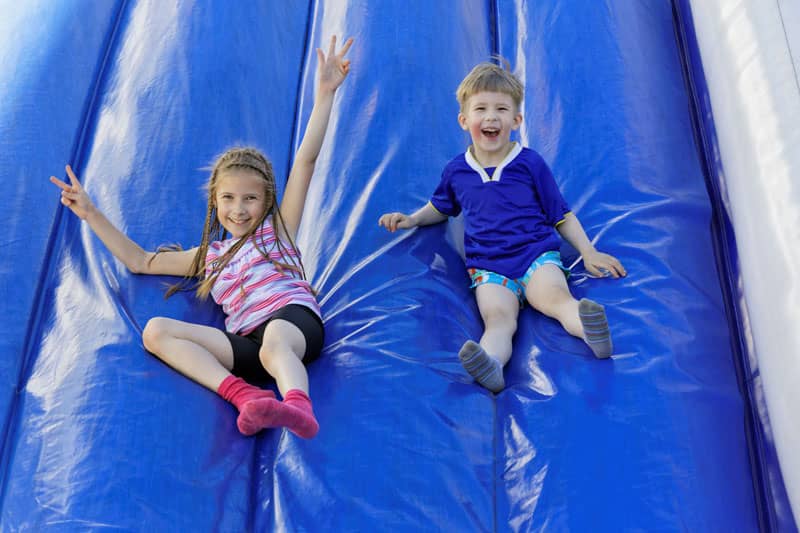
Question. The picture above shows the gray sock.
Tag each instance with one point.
(484, 368)
(595, 328)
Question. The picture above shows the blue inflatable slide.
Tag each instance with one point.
(139, 96)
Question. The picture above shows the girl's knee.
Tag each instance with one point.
(154, 332)
(271, 351)
(274, 350)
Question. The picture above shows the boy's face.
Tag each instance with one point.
(490, 117)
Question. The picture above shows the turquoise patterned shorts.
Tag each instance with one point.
(517, 286)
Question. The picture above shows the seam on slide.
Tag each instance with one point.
(296, 129)
(296, 132)
(497, 464)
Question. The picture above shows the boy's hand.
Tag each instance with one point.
(333, 69)
(603, 265)
(74, 196)
(395, 221)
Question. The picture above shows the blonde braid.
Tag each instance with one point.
(212, 229)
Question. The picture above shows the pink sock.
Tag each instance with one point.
(294, 413)
(302, 421)
(239, 392)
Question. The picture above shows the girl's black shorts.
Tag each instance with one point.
(246, 363)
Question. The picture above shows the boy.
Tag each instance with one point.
(511, 205)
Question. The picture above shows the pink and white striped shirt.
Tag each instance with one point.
(250, 287)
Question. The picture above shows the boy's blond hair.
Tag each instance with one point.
(492, 78)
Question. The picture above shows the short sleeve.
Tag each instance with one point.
(553, 203)
(444, 199)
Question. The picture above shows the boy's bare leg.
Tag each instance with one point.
(484, 362)
(548, 293)
(499, 309)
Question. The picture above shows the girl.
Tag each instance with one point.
(273, 320)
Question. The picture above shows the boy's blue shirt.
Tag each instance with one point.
(510, 212)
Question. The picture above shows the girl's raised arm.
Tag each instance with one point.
(331, 72)
(131, 254)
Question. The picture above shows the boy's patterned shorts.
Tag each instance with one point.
(518, 285)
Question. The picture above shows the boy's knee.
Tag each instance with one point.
(553, 302)
(500, 317)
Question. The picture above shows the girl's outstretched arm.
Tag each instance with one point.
(131, 254)
(331, 72)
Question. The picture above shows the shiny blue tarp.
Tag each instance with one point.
(775, 512)
(140, 96)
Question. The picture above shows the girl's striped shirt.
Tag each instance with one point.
(252, 287)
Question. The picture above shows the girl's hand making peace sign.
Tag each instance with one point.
(74, 196)
(333, 69)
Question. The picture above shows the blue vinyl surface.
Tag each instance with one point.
(774, 509)
(140, 96)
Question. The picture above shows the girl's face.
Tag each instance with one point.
(241, 199)
(490, 117)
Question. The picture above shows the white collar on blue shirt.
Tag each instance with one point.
(472, 162)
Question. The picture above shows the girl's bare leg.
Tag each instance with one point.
(282, 353)
(201, 353)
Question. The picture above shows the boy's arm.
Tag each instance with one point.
(331, 72)
(597, 263)
(131, 254)
(423, 216)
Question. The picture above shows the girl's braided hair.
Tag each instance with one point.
(237, 158)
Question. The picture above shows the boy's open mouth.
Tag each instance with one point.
(490, 132)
